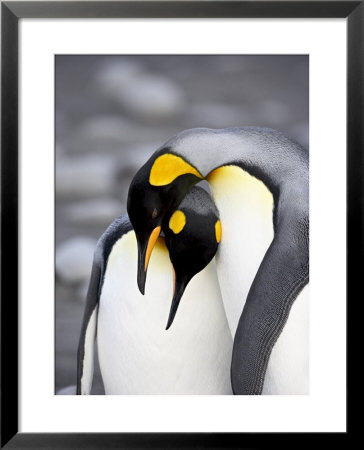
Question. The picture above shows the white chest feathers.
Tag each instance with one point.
(137, 355)
(246, 213)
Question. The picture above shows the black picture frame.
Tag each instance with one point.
(11, 12)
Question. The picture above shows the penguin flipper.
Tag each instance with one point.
(85, 354)
(281, 277)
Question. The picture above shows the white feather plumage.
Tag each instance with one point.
(137, 355)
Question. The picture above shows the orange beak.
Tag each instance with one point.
(144, 255)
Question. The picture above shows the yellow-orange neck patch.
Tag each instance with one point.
(168, 167)
(177, 221)
(218, 231)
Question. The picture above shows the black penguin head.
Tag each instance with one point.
(154, 193)
(192, 237)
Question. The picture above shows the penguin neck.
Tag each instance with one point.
(264, 153)
(245, 205)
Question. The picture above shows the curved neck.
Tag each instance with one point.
(266, 154)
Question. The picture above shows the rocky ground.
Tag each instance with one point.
(112, 112)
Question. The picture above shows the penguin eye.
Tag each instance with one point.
(154, 213)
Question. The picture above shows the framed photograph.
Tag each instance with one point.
(90, 90)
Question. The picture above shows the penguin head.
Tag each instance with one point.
(154, 193)
(192, 236)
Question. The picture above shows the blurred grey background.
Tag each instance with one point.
(112, 112)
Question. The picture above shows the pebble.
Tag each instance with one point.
(74, 259)
(100, 211)
(110, 133)
(114, 75)
(152, 97)
(85, 177)
(68, 390)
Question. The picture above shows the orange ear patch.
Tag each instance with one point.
(218, 231)
(168, 167)
(177, 221)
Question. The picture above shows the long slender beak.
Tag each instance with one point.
(179, 288)
(144, 253)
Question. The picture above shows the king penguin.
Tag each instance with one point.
(259, 181)
(136, 353)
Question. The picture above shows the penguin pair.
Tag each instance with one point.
(259, 182)
(136, 354)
